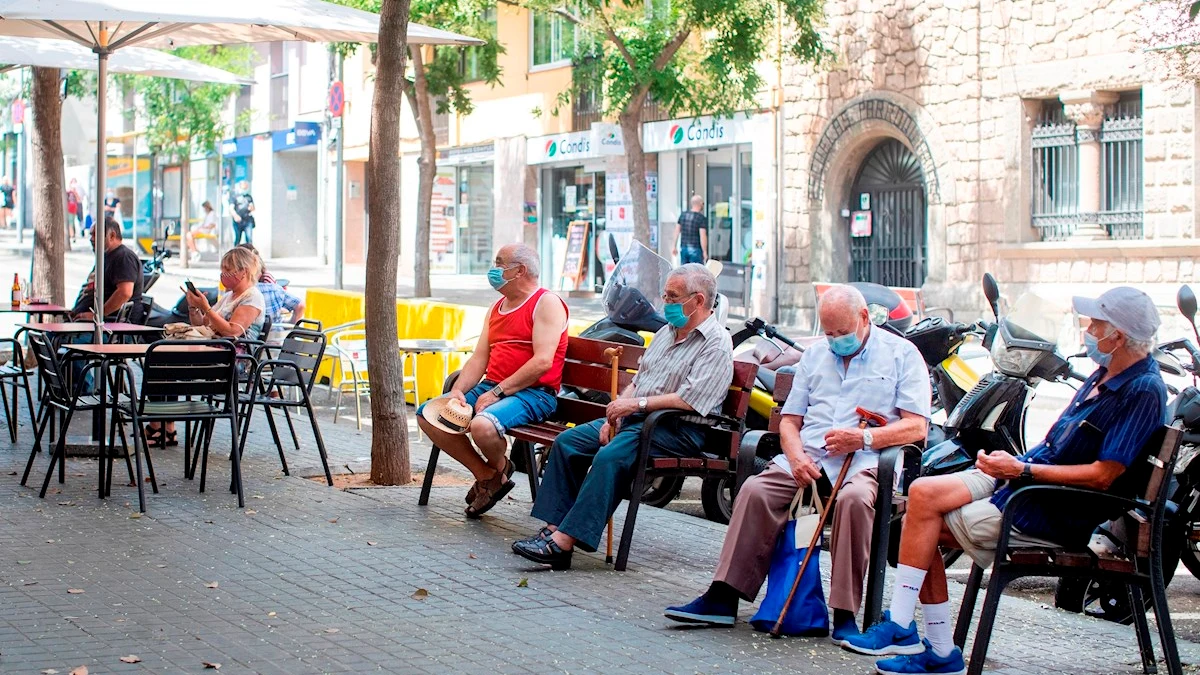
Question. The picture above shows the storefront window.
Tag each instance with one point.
(571, 195)
(475, 219)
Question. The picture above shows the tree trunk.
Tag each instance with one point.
(49, 191)
(418, 97)
(389, 424)
(635, 161)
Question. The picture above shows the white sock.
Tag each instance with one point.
(905, 592)
(937, 628)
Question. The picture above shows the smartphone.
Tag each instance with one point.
(190, 286)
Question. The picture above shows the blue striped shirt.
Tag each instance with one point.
(1114, 426)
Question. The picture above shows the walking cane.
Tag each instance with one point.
(866, 419)
(613, 353)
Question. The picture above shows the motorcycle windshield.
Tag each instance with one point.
(1037, 317)
(633, 293)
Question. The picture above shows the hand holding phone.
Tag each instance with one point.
(190, 286)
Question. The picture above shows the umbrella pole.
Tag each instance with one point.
(101, 179)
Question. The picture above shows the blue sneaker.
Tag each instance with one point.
(885, 638)
(842, 631)
(925, 662)
(703, 611)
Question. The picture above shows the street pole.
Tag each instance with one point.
(22, 160)
(340, 175)
(136, 243)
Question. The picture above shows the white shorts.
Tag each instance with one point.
(976, 526)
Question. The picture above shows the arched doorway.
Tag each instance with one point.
(891, 186)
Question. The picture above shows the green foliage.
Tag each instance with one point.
(444, 74)
(186, 118)
(689, 56)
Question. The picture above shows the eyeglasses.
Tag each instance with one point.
(672, 299)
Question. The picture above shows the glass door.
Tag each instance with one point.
(475, 219)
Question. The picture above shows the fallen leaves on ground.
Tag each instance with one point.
(211, 584)
(334, 520)
(371, 543)
(331, 631)
(209, 665)
(250, 512)
(471, 556)
(523, 583)
(49, 671)
(271, 614)
(131, 659)
(420, 594)
(81, 670)
(75, 591)
(135, 516)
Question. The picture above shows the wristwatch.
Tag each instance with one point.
(1027, 472)
(642, 403)
(497, 392)
(867, 439)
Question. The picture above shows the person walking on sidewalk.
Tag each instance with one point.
(7, 203)
(692, 234)
(1094, 444)
(243, 214)
(511, 379)
(857, 365)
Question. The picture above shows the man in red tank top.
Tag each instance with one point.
(512, 378)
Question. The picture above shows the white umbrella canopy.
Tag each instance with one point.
(176, 23)
(106, 26)
(17, 52)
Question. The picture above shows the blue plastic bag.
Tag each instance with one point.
(808, 615)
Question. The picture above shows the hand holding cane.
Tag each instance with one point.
(866, 418)
(613, 353)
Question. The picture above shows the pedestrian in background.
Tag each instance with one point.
(207, 227)
(74, 209)
(7, 203)
(112, 206)
(691, 233)
(243, 214)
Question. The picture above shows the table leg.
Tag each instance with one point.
(98, 422)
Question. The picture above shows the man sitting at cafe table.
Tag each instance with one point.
(688, 366)
(1094, 444)
(511, 379)
(122, 278)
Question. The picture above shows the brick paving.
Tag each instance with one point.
(309, 579)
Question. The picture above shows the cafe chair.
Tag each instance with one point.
(15, 376)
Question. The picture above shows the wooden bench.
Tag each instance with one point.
(889, 507)
(1140, 566)
(587, 374)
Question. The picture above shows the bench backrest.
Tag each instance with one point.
(1160, 456)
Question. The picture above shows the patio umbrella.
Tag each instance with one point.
(106, 26)
(18, 52)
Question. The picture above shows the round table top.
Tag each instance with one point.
(427, 345)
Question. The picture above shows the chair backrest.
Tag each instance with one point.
(124, 312)
(737, 401)
(304, 348)
(1159, 458)
(352, 351)
(170, 371)
(309, 324)
(49, 369)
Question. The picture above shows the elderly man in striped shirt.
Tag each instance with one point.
(688, 366)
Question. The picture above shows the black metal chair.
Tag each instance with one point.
(59, 397)
(1140, 565)
(204, 381)
(285, 381)
(15, 375)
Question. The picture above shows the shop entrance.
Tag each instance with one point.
(723, 177)
(572, 195)
(891, 188)
(475, 252)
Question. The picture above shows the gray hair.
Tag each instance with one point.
(525, 255)
(697, 279)
(844, 296)
(1139, 347)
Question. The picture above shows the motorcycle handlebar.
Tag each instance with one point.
(767, 330)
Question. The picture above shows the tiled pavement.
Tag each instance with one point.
(308, 579)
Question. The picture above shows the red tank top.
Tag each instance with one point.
(511, 337)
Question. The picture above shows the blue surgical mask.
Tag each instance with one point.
(845, 345)
(496, 278)
(673, 311)
(1092, 344)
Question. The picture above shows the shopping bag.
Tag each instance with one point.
(808, 615)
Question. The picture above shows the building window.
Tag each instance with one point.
(1121, 168)
(1058, 173)
(279, 86)
(473, 65)
(553, 39)
(1055, 173)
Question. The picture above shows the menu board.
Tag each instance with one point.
(573, 266)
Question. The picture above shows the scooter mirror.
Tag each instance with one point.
(613, 252)
(991, 291)
(1186, 300)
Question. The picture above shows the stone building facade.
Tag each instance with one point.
(1034, 139)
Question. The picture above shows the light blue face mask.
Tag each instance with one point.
(1092, 344)
(496, 278)
(845, 345)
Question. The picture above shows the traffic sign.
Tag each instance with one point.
(337, 99)
(18, 111)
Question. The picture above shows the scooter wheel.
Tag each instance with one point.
(716, 494)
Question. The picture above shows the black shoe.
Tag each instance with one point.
(545, 552)
(542, 535)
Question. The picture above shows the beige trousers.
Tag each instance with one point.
(759, 514)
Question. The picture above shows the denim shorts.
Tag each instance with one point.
(527, 406)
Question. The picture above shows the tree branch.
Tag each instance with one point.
(670, 49)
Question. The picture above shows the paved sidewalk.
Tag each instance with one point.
(308, 579)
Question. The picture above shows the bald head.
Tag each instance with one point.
(697, 203)
(843, 310)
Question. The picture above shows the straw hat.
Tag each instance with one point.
(448, 414)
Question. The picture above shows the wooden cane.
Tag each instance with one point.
(866, 418)
(613, 353)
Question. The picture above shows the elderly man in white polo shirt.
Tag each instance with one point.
(857, 365)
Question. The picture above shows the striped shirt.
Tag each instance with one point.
(1110, 424)
(699, 368)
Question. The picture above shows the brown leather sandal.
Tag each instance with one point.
(490, 493)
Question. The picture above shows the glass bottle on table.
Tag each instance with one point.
(16, 291)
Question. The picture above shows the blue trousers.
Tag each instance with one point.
(584, 482)
(691, 254)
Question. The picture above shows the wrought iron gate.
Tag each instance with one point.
(891, 186)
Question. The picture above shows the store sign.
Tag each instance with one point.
(609, 140)
(466, 154)
(700, 132)
(603, 139)
(303, 134)
(238, 147)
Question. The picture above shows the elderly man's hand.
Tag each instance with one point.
(485, 400)
(605, 434)
(620, 409)
(804, 471)
(842, 441)
(999, 464)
